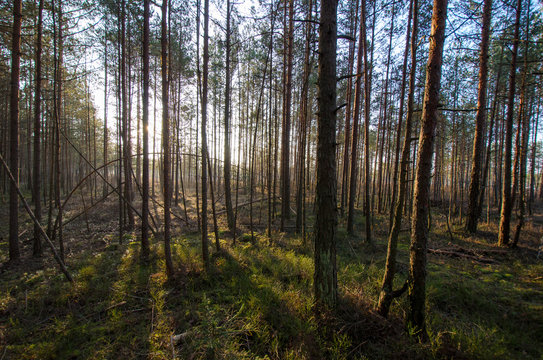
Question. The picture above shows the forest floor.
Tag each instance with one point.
(255, 302)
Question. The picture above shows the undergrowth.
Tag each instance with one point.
(255, 302)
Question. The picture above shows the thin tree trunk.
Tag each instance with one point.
(506, 208)
(347, 134)
(387, 293)
(205, 250)
(354, 140)
(37, 246)
(489, 146)
(400, 114)
(522, 147)
(531, 197)
(215, 225)
(14, 252)
(125, 120)
(303, 122)
(285, 138)
(145, 120)
(367, 100)
(166, 141)
(227, 161)
(58, 114)
(475, 182)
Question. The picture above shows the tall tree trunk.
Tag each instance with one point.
(531, 196)
(227, 161)
(58, 115)
(167, 154)
(303, 122)
(478, 142)
(205, 250)
(105, 152)
(125, 121)
(354, 140)
(387, 293)
(198, 100)
(14, 252)
(347, 134)
(145, 120)
(506, 207)
(421, 203)
(37, 246)
(522, 176)
(285, 138)
(325, 278)
(367, 101)
(411, 17)
(385, 111)
(521, 147)
(489, 146)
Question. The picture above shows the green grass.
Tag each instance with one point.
(255, 302)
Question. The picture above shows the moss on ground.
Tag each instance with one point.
(255, 302)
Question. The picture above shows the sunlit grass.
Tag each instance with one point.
(255, 302)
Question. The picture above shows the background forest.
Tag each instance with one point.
(272, 179)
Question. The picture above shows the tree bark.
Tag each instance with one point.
(354, 140)
(145, 120)
(325, 278)
(506, 207)
(478, 142)
(37, 246)
(387, 293)
(166, 141)
(14, 252)
(285, 138)
(205, 250)
(421, 203)
(347, 134)
(400, 114)
(227, 161)
(367, 101)
(303, 122)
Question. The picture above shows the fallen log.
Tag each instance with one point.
(458, 254)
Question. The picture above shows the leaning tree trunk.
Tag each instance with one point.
(421, 200)
(478, 142)
(325, 278)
